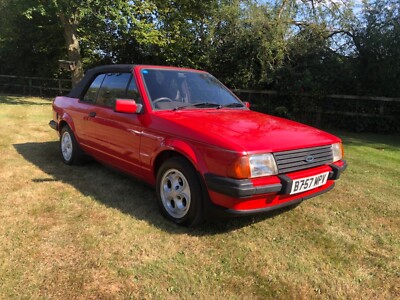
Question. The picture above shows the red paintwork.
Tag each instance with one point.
(211, 139)
(125, 106)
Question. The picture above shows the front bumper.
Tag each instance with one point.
(244, 196)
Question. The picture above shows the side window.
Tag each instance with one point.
(132, 92)
(113, 87)
(91, 93)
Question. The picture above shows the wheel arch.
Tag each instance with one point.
(182, 149)
(166, 154)
(62, 124)
(66, 120)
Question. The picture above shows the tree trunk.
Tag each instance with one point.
(73, 48)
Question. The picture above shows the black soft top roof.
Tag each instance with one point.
(81, 87)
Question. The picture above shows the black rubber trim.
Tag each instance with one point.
(238, 188)
(221, 211)
(336, 170)
(53, 124)
(244, 188)
(287, 183)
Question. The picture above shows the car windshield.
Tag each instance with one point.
(176, 89)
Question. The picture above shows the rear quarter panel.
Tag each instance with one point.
(71, 111)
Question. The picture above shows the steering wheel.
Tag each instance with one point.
(162, 99)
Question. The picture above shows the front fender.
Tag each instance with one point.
(188, 150)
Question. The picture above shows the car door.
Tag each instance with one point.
(115, 137)
(81, 114)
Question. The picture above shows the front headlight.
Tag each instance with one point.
(262, 165)
(337, 151)
(251, 166)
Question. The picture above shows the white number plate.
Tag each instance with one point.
(308, 183)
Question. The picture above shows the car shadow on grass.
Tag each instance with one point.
(116, 190)
(22, 100)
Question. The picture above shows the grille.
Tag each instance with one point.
(294, 160)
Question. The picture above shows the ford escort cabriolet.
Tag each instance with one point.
(203, 149)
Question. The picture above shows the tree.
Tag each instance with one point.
(28, 46)
(377, 40)
(320, 46)
(132, 19)
(121, 16)
(186, 26)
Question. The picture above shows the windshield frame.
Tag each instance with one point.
(187, 105)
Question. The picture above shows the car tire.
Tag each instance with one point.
(71, 152)
(179, 194)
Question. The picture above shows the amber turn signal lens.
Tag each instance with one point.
(342, 149)
(240, 168)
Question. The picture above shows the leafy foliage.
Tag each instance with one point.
(377, 39)
(28, 41)
(311, 46)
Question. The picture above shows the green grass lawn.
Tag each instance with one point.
(88, 232)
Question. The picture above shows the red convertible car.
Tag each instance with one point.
(185, 133)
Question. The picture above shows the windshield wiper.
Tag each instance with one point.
(199, 104)
(234, 104)
(206, 104)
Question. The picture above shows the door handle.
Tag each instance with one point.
(92, 114)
